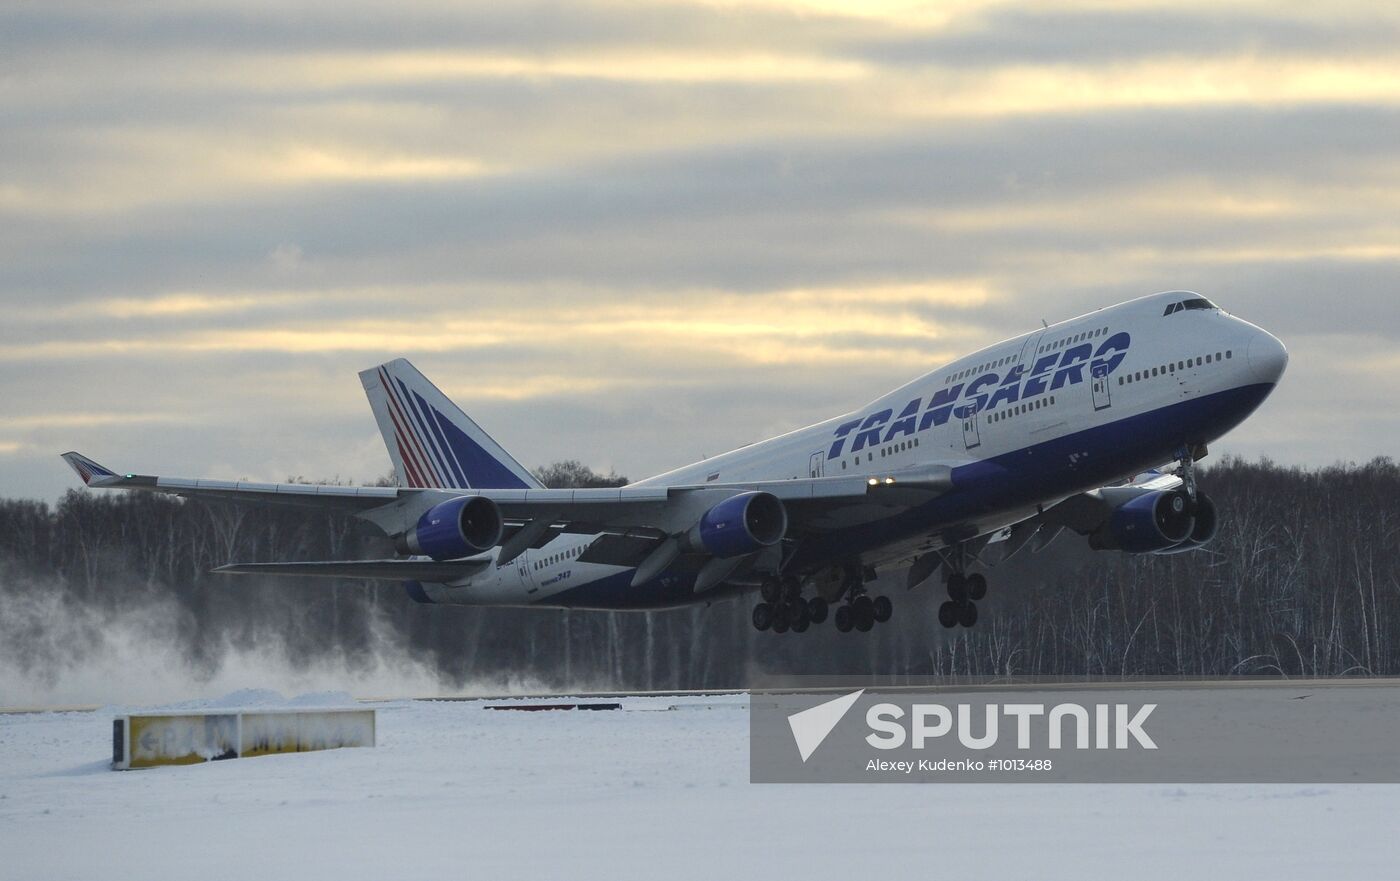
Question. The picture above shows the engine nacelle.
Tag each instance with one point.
(740, 525)
(1151, 522)
(456, 528)
(1203, 530)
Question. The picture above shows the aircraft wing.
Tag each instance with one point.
(645, 511)
(347, 498)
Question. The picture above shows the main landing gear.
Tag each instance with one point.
(963, 593)
(784, 608)
(863, 612)
(964, 590)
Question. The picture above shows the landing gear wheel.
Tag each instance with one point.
(967, 614)
(762, 616)
(976, 586)
(864, 615)
(957, 587)
(780, 619)
(817, 610)
(771, 589)
(948, 614)
(801, 622)
(882, 609)
(844, 621)
(792, 587)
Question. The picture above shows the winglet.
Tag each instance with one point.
(87, 469)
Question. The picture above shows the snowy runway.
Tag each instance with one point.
(657, 789)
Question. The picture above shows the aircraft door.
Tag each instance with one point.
(1029, 351)
(1102, 398)
(817, 464)
(522, 570)
(972, 437)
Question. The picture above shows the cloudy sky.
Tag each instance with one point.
(641, 233)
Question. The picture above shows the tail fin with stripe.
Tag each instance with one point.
(87, 469)
(431, 441)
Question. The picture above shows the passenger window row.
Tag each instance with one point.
(1168, 369)
(1036, 404)
(1071, 340)
(1002, 362)
(980, 368)
(888, 450)
(559, 557)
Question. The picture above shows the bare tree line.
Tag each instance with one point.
(1301, 581)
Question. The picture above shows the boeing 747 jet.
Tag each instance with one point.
(1091, 425)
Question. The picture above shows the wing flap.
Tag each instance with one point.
(387, 570)
(620, 550)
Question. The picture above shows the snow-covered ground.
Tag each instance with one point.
(657, 790)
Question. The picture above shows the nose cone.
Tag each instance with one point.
(1267, 357)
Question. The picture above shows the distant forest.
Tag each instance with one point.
(1302, 580)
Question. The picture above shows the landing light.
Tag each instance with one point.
(874, 481)
(889, 480)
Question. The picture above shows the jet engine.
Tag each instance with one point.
(1149, 523)
(740, 525)
(1203, 529)
(456, 528)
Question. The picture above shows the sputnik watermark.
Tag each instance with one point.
(805, 730)
(932, 721)
(929, 722)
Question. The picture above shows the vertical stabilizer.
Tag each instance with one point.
(431, 441)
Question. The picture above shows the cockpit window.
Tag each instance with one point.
(1197, 303)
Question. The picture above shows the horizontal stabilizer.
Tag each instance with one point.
(435, 571)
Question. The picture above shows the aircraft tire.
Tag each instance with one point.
(948, 614)
(967, 614)
(781, 621)
(864, 616)
(771, 590)
(957, 587)
(792, 587)
(762, 616)
(817, 609)
(976, 586)
(882, 609)
(844, 621)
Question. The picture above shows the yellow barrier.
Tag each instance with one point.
(144, 740)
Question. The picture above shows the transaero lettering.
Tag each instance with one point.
(986, 392)
(1103, 726)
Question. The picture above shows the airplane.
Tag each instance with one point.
(1092, 425)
